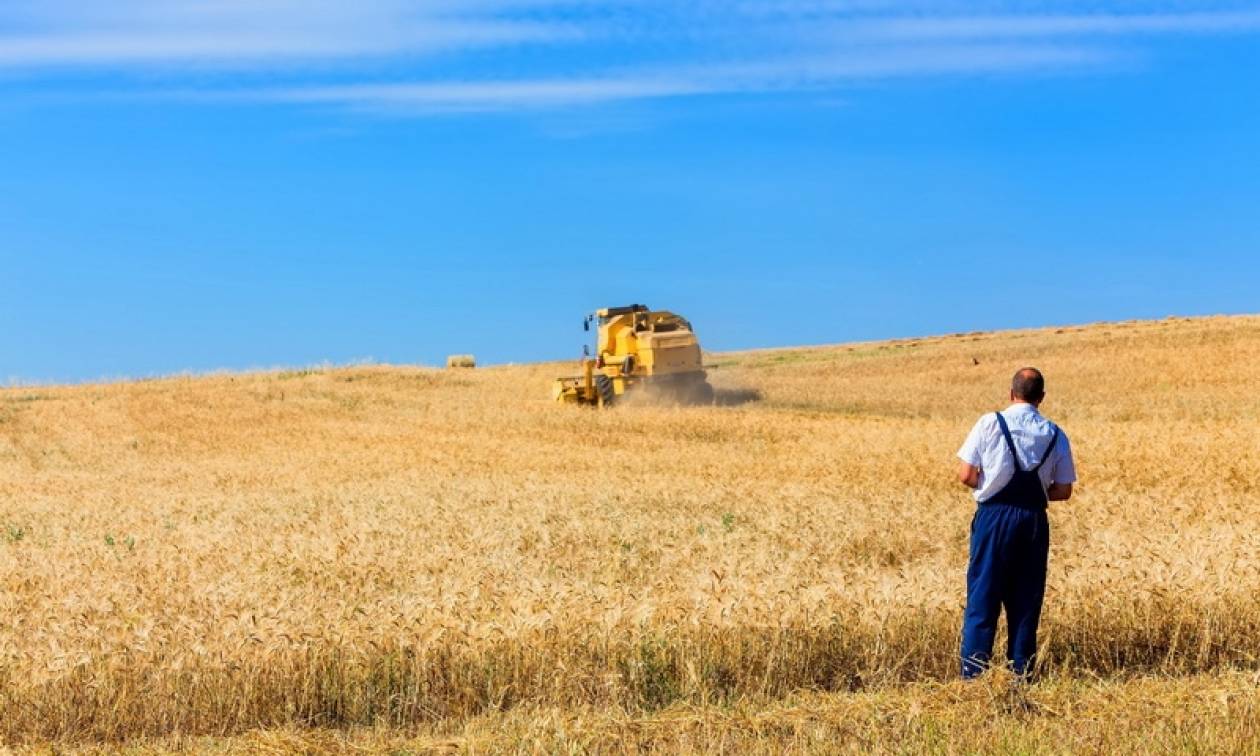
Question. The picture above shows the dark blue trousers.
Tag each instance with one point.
(1010, 547)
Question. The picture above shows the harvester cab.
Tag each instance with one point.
(640, 351)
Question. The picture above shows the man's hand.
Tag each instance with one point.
(1059, 491)
(969, 475)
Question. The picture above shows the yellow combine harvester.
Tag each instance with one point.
(653, 353)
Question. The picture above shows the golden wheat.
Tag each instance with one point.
(399, 547)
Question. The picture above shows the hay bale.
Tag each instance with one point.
(461, 361)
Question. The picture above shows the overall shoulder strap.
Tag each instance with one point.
(1054, 439)
(1010, 442)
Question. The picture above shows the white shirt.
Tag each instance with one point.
(986, 449)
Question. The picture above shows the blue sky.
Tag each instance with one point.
(253, 183)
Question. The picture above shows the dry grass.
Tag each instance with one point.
(407, 548)
(1206, 714)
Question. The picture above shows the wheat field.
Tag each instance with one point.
(399, 558)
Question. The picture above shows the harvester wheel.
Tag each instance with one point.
(703, 393)
(604, 387)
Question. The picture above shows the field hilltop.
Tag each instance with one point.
(418, 559)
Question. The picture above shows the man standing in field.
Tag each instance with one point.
(1016, 461)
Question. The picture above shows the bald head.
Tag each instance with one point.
(1028, 385)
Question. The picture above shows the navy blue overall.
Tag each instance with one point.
(1010, 546)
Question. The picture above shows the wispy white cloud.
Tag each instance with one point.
(790, 74)
(484, 96)
(235, 33)
(1014, 27)
(494, 55)
(245, 48)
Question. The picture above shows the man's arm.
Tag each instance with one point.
(969, 475)
(1059, 491)
(1063, 473)
(969, 456)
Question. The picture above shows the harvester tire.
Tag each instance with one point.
(604, 387)
(703, 393)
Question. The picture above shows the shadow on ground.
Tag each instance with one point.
(727, 397)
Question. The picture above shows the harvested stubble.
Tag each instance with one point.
(388, 546)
